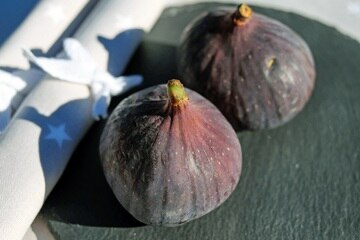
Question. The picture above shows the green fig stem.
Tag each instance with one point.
(176, 92)
(242, 14)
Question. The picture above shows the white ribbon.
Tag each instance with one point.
(13, 88)
(79, 67)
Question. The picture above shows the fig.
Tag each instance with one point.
(169, 155)
(256, 70)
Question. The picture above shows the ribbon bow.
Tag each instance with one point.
(13, 88)
(79, 67)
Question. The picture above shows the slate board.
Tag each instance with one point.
(299, 181)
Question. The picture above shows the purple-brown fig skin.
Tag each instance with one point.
(168, 165)
(259, 74)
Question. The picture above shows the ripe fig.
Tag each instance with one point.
(169, 155)
(256, 70)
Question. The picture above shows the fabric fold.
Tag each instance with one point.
(55, 115)
(79, 67)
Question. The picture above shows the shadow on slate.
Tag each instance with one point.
(299, 181)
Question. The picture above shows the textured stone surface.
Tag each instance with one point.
(299, 181)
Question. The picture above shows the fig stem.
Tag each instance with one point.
(176, 92)
(242, 14)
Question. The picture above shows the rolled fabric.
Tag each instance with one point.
(53, 118)
(34, 33)
(16, 82)
(13, 88)
(79, 67)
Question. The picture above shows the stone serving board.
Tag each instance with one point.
(299, 181)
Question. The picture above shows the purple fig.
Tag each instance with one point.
(256, 70)
(169, 155)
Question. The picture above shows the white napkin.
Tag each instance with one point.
(53, 118)
(45, 24)
(15, 85)
(79, 67)
(13, 89)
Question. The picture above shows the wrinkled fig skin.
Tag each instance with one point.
(259, 74)
(169, 165)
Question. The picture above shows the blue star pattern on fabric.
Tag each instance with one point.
(58, 134)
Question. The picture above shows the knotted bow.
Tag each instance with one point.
(79, 67)
(13, 88)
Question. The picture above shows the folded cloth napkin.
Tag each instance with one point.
(79, 67)
(53, 118)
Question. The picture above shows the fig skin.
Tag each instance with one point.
(169, 158)
(256, 70)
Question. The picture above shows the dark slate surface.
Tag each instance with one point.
(299, 181)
